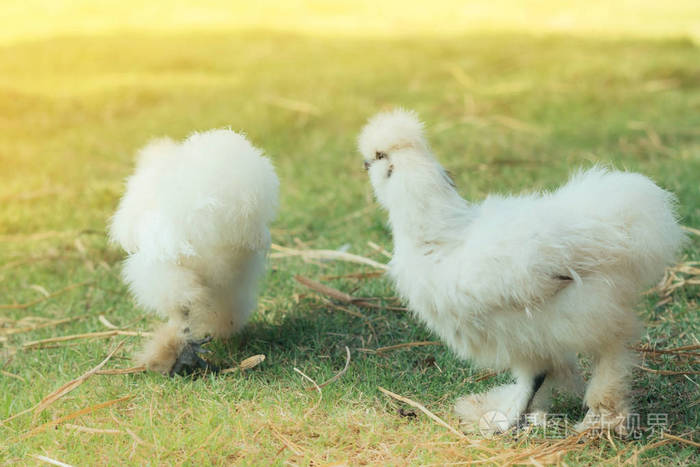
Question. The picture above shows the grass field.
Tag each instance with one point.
(510, 105)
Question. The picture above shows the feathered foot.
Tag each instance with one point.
(499, 409)
(491, 412)
(189, 360)
(172, 351)
(603, 421)
(606, 395)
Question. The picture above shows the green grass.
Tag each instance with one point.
(505, 112)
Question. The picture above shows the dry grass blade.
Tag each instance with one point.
(686, 353)
(354, 313)
(20, 262)
(685, 348)
(546, 453)
(338, 375)
(289, 444)
(137, 439)
(247, 364)
(48, 460)
(690, 230)
(106, 322)
(12, 375)
(552, 453)
(681, 440)
(122, 371)
(406, 345)
(18, 414)
(97, 431)
(486, 375)
(633, 459)
(22, 306)
(678, 350)
(73, 415)
(89, 335)
(327, 255)
(379, 249)
(68, 387)
(320, 393)
(49, 324)
(355, 275)
(678, 276)
(689, 267)
(342, 296)
(380, 307)
(40, 289)
(667, 372)
(326, 290)
(420, 407)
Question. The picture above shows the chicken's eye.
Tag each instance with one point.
(379, 155)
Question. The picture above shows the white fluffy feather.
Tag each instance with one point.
(522, 282)
(194, 221)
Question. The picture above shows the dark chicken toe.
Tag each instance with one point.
(189, 360)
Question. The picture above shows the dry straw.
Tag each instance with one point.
(22, 306)
(342, 296)
(73, 415)
(89, 335)
(75, 383)
(337, 375)
(330, 255)
(422, 408)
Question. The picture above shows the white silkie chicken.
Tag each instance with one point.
(194, 221)
(523, 282)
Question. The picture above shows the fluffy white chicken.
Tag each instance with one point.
(194, 221)
(523, 282)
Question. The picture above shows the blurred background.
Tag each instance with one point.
(516, 92)
(34, 19)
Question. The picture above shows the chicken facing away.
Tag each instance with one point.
(194, 222)
(523, 282)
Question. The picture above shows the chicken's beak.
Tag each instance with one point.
(366, 165)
